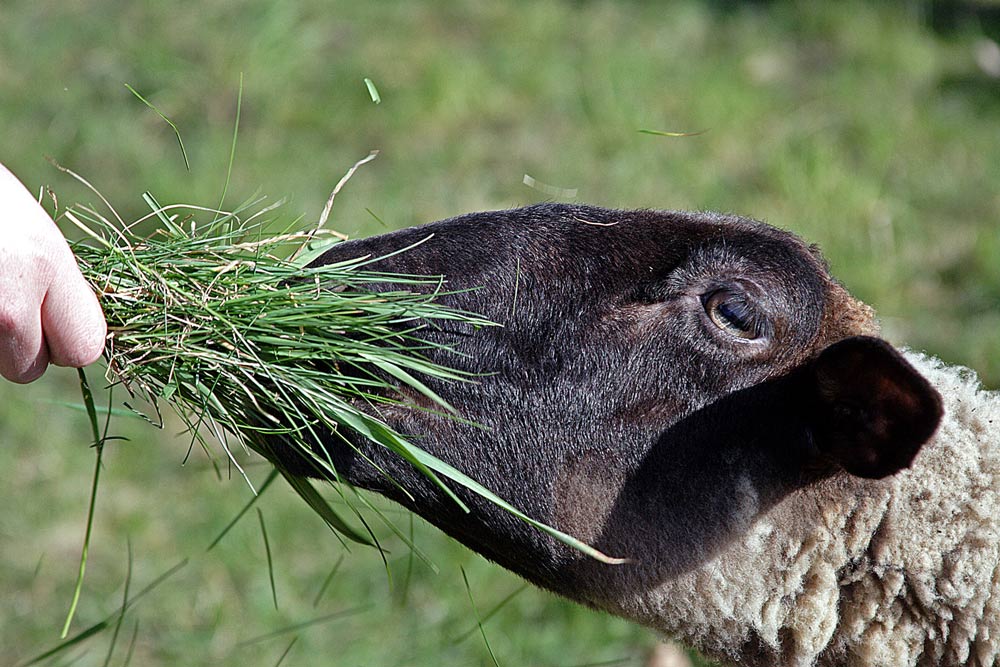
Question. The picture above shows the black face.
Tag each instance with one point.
(647, 365)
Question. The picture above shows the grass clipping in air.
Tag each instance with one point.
(229, 324)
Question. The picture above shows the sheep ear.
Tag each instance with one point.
(872, 410)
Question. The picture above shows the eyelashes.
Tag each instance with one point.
(733, 313)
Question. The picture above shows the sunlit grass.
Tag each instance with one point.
(854, 125)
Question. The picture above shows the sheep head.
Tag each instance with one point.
(659, 382)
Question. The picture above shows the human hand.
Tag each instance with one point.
(48, 312)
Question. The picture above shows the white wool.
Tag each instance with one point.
(900, 571)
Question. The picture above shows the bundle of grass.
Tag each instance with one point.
(226, 322)
(223, 318)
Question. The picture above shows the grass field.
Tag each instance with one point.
(858, 127)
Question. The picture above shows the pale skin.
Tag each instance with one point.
(48, 312)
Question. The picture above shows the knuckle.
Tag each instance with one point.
(14, 317)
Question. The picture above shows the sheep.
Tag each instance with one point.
(854, 571)
(694, 393)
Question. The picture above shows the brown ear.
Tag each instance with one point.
(872, 411)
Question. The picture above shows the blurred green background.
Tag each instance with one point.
(872, 129)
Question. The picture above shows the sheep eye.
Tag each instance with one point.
(731, 313)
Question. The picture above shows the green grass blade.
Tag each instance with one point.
(373, 91)
(131, 645)
(404, 595)
(159, 212)
(97, 628)
(270, 561)
(88, 400)
(456, 475)
(662, 133)
(407, 540)
(246, 508)
(490, 614)
(121, 616)
(285, 653)
(327, 513)
(327, 581)
(232, 150)
(177, 133)
(407, 379)
(479, 620)
(354, 611)
(69, 643)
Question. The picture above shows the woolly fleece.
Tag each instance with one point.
(893, 572)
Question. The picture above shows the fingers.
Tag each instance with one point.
(48, 313)
(23, 354)
(72, 322)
